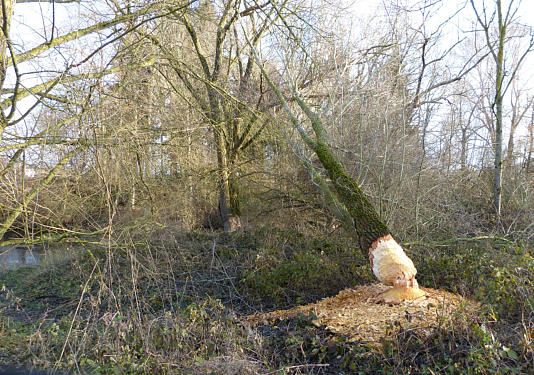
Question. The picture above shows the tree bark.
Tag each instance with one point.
(530, 140)
(368, 225)
(6, 11)
(497, 177)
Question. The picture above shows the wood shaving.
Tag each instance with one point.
(356, 314)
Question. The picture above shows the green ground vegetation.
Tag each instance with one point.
(176, 304)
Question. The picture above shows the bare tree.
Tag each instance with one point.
(497, 27)
(219, 78)
(55, 89)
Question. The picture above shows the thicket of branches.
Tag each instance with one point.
(159, 110)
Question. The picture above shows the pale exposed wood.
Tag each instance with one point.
(355, 314)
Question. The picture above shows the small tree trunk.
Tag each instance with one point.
(133, 202)
(499, 94)
(530, 141)
(510, 158)
(5, 19)
(463, 151)
(227, 193)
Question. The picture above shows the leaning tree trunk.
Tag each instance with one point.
(388, 260)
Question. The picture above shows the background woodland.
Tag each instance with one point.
(145, 137)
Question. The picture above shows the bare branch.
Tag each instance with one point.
(15, 213)
(38, 89)
(48, 1)
(251, 9)
(91, 29)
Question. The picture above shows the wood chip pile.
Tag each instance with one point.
(356, 314)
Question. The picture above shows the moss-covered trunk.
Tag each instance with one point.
(235, 199)
(228, 196)
(367, 223)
